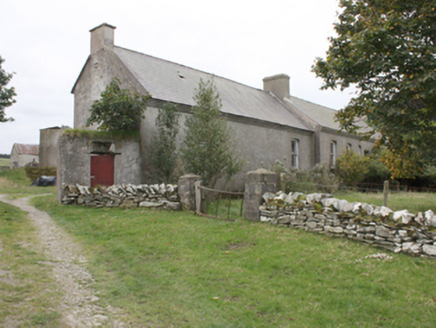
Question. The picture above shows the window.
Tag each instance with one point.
(360, 150)
(295, 153)
(349, 147)
(333, 147)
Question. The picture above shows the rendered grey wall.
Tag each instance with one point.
(98, 72)
(128, 162)
(48, 146)
(259, 144)
(74, 162)
(341, 141)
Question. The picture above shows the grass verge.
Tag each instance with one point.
(177, 269)
(27, 292)
(5, 162)
(16, 182)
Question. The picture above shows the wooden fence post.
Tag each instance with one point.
(197, 196)
(385, 193)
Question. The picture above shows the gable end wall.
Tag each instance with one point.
(99, 70)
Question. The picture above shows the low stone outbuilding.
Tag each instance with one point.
(22, 154)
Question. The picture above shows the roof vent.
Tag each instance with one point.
(180, 75)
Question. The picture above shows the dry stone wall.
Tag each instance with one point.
(127, 195)
(399, 231)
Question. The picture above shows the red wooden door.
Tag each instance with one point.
(102, 170)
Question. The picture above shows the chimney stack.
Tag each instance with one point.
(102, 35)
(278, 85)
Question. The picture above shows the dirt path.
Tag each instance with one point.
(78, 307)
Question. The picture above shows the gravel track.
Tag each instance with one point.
(79, 306)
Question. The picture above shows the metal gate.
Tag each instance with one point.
(218, 204)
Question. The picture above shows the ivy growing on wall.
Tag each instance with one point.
(163, 152)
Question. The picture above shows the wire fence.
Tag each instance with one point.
(397, 197)
(310, 187)
(229, 206)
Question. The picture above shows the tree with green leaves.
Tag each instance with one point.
(6, 94)
(118, 109)
(163, 152)
(387, 51)
(209, 148)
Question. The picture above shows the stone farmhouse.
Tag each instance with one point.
(269, 124)
(22, 154)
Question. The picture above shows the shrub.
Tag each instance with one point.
(209, 146)
(34, 173)
(377, 171)
(429, 176)
(351, 168)
(163, 152)
(318, 179)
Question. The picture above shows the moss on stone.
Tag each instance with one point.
(103, 135)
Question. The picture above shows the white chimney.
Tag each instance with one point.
(278, 85)
(102, 35)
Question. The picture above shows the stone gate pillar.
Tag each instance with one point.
(187, 191)
(257, 184)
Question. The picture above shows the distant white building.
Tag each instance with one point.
(22, 154)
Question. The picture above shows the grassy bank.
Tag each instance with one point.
(177, 269)
(16, 182)
(27, 292)
(414, 202)
(5, 162)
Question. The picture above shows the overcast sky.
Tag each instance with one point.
(46, 43)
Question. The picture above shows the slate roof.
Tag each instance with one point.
(324, 116)
(27, 149)
(173, 82)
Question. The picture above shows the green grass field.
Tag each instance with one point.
(5, 162)
(177, 269)
(414, 202)
(16, 182)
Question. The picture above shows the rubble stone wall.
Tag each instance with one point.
(148, 196)
(399, 231)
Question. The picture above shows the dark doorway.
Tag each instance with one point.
(102, 170)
